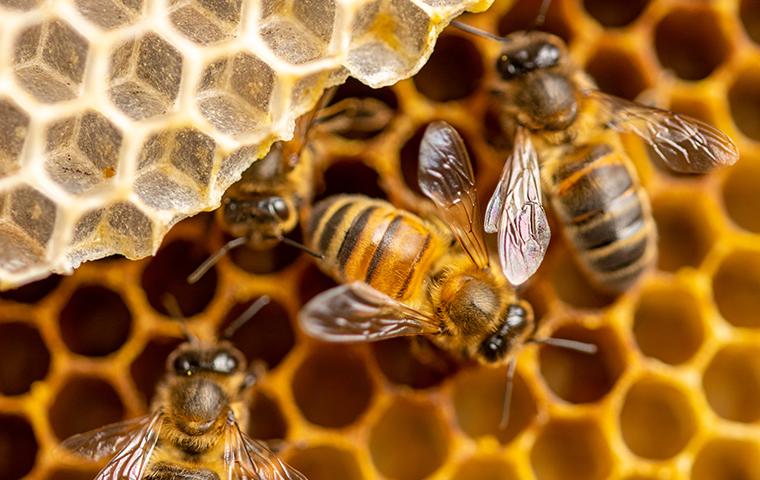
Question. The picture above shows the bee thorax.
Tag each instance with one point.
(198, 403)
(547, 101)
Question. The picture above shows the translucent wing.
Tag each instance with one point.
(248, 459)
(684, 144)
(446, 177)
(516, 212)
(356, 312)
(105, 441)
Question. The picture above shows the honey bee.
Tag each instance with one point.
(196, 428)
(267, 202)
(566, 143)
(402, 275)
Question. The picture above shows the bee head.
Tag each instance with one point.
(529, 52)
(516, 328)
(261, 217)
(219, 358)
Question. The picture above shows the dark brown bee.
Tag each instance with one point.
(196, 426)
(566, 143)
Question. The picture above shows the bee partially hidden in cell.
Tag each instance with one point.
(405, 276)
(196, 428)
(566, 143)
(267, 202)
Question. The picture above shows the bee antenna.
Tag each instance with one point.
(301, 247)
(582, 347)
(247, 314)
(508, 394)
(476, 31)
(204, 267)
(171, 304)
(541, 16)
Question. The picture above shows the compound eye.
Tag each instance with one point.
(547, 56)
(186, 364)
(493, 348)
(505, 67)
(280, 208)
(223, 362)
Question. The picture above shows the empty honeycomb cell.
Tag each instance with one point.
(569, 450)
(266, 419)
(409, 429)
(332, 387)
(83, 152)
(206, 22)
(13, 127)
(656, 420)
(668, 324)
(149, 366)
(523, 14)
(95, 321)
(267, 336)
(732, 383)
(744, 102)
(20, 251)
(735, 287)
(107, 14)
(581, 377)
(485, 468)
(82, 404)
(312, 282)
(26, 358)
(572, 286)
(33, 212)
(478, 399)
(617, 13)
(414, 362)
(316, 15)
(690, 40)
(348, 175)
(741, 197)
(292, 42)
(727, 458)
(617, 72)
(684, 236)
(32, 292)
(749, 13)
(130, 228)
(18, 446)
(266, 261)
(326, 463)
(167, 274)
(453, 72)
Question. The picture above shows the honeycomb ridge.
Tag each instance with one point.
(118, 118)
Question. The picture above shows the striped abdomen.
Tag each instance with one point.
(606, 215)
(371, 241)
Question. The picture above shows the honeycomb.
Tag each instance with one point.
(671, 394)
(118, 118)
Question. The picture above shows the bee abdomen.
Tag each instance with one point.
(371, 241)
(607, 218)
(166, 471)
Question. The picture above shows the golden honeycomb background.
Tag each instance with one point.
(673, 393)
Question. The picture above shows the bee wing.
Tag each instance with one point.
(105, 441)
(683, 143)
(356, 312)
(446, 178)
(248, 459)
(516, 212)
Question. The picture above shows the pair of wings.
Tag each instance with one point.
(132, 443)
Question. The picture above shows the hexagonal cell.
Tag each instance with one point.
(749, 13)
(684, 236)
(617, 71)
(485, 468)
(414, 362)
(727, 458)
(109, 14)
(409, 428)
(235, 92)
(618, 13)
(741, 197)
(150, 365)
(744, 102)
(267, 336)
(167, 273)
(95, 321)
(732, 383)
(332, 387)
(690, 40)
(128, 227)
(82, 404)
(453, 72)
(522, 16)
(50, 61)
(267, 421)
(145, 76)
(32, 292)
(668, 324)
(19, 252)
(350, 175)
(735, 287)
(353, 88)
(569, 450)
(580, 377)
(83, 152)
(657, 420)
(272, 260)
(206, 22)
(572, 285)
(13, 128)
(293, 41)
(26, 358)
(478, 399)
(324, 462)
(312, 282)
(19, 447)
